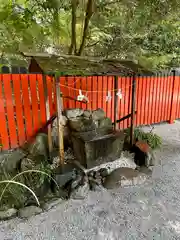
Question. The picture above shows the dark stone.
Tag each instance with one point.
(103, 172)
(73, 113)
(143, 158)
(10, 161)
(63, 179)
(98, 114)
(92, 149)
(81, 124)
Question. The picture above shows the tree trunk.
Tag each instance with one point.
(89, 13)
(72, 48)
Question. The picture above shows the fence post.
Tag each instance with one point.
(174, 99)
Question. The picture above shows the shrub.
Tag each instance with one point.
(153, 140)
(13, 191)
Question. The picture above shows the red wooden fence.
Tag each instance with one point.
(22, 101)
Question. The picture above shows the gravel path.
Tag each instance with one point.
(151, 211)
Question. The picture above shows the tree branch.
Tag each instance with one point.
(72, 48)
(92, 45)
(89, 13)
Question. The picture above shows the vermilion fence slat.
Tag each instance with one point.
(124, 87)
(160, 100)
(166, 98)
(130, 101)
(10, 109)
(111, 86)
(121, 101)
(64, 90)
(100, 93)
(152, 111)
(19, 108)
(127, 87)
(146, 100)
(70, 92)
(26, 105)
(139, 101)
(42, 104)
(50, 91)
(84, 87)
(105, 83)
(93, 93)
(104, 92)
(78, 86)
(178, 98)
(170, 93)
(3, 122)
(34, 102)
(54, 81)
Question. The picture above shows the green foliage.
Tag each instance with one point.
(14, 196)
(14, 193)
(144, 31)
(153, 140)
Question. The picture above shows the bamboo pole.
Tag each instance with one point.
(60, 121)
(133, 102)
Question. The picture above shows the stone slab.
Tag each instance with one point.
(93, 149)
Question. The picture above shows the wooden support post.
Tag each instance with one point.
(60, 121)
(133, 102)
(115, 102)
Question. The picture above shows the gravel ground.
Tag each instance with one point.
(151, 211)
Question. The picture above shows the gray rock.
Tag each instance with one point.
(29, 211)
(124, 177)
(39, 146)
(55, 137)
(105, 124)
(98, 114)
(81, 192)
(10, 213)
(87, 113)
(74, 113)
(9, 160)
(77, 182)
(81, 124)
